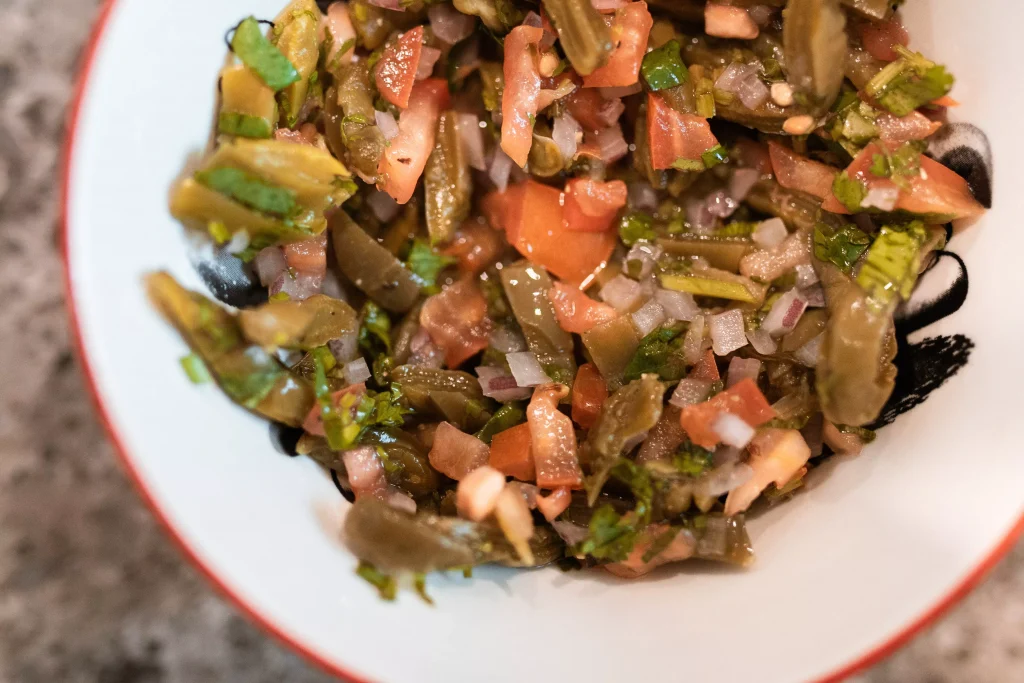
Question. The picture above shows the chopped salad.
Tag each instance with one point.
(578, 282)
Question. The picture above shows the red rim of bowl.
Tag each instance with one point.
(865, 660)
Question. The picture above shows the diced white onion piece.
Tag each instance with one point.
(727, 332)
(478, 493)
(785, 313)
(810, 353)
(761, 14)
(621, 293)
(501, 167)
(642, 196)
(677, 305)
(743, 81)
(725, 455)
(882, 198)
(621, 91)
(357, 371)
(566, 132)
(806, 275)
(741, 369)
(647, 254)
(762, 341)
(724, 479)
(526, 369)
(648, 318)
(299, 286)
(700, 218)
(500, 386)
(383, 205)
(239, 242)
(690, 391)
(400, 500)
(770, 233)
(741, 182)
(815, 296)
(529, 492)
(449, 24)
(471, 137)
(270, 264)
(693, 342)
(365, 470)
(611, 143)
(387, 124)
(507, 339)
(345, 347)
(721, 204)
(533, 19)
(732, 430)
(428, 58)
(572, 534)
(753, 93)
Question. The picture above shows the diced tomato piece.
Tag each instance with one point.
(555, 504)
(314, 423)
(945, 101)
(456, 320)
(879, 37)
(673, 135)
(681, 548)
(455, 453)
(726, 21)
(533, 222)
(476, 246)
(743, 400)
(365, 470)
(591, 205)
(403, 160)
(396, 70)
(519, 105)
(706, 368)
(776, 456)
(895, 130)
(589, 393)
(936, 190)
(308, 256)
(630, 29)
(553, 439)
(577, 312)
(511, 453)
(593, 112)
(478, 492)
(800, 173)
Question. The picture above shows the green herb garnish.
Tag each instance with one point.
(909, 82)
(659, 352)
(262, 56)
(841, 246)
(244, 125)
(385, 584)
(692, 460)
(375, 330)
(714, 156)
(249, 190)
(195, 368)
(636, 226)
(426, 264)
(663, 67)
(893, 262)
(849, 191)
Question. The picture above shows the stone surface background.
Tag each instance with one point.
(91, 590)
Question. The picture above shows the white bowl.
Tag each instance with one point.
(846, 572)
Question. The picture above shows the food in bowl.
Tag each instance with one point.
(578, 283)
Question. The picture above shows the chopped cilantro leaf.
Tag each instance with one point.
(659, 352)
(262, 56)
(840, 246)
(249, 190)
(714, 156)
(636, 226)
(385, 585)
(244, 125)
(908, 83)
(692, 460)
(663, 67)
(893, 262)
(849, 191)
(426, 264)
(375, 330)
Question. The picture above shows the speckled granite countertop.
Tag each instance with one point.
(91, 591)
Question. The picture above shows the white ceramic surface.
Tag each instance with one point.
(844, 572)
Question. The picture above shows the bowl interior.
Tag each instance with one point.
(843, 569)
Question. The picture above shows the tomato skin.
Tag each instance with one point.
(673, 135)
(630, 30)
(532, 216)
(476, 246)
(591, 110)
(743, 399)
(555, 504)
(591, 205)
(404, 159)
(797, 172)
(576, 312)
(589, 393)
(456, 320)
(511, 453)
(396, 70)
(519, 102)
(935, 190)
(308, 256)
(879, 37)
